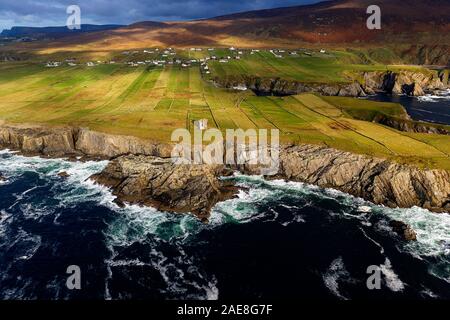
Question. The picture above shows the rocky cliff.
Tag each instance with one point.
(403, 82)
(407, 125)
(71, 142)
(160, 183)
(282, 87)
(196, 188)
(377, 180)
(360, 84)
(142, 178)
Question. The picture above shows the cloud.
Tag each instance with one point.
(53, 12)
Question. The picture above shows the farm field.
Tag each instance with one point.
(304, 66)
(151, 101)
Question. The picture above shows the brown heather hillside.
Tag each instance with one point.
(422, 23)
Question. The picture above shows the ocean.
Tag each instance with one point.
(430, 107)
(276, 240)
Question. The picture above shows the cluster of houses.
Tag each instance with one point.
(73, 63)
(168, 57)
(278, 53)
(53, 64)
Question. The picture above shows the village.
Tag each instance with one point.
(183, 58)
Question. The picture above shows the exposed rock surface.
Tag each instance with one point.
(63, 174)
(107, 145)
(377, 180)
(63, 142)
(160, 183)
(281, 87)
(403, 230)
(402, 82)
(411, 126)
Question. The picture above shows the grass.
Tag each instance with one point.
(314, 67)
(151, 102)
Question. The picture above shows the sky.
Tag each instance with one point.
(40, 13)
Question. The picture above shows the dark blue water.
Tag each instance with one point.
(431, 108)
(277, 240)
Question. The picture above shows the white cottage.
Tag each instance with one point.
(201, 124)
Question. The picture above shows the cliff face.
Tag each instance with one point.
(377, 180)
(282, 87)
(403, 82)
(164, 185)
(196, 188)
(148, 180)
(407, 125)
(58, 142)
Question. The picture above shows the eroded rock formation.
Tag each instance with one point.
(360, 84)
(148, 177)
(160, 183)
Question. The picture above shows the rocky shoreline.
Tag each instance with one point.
(157, 182)
(141, 172)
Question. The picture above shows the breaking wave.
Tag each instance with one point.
(443, 95)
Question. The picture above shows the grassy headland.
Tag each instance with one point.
(150, 101)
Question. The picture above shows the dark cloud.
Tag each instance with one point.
(53, 12)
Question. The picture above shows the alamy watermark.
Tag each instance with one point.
(374, 280)
(239, 147)
(73, 281)
(74, 19)
(374, 20)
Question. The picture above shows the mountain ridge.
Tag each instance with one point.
(329, 23)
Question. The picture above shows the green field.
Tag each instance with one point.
(150, 102)
(305, 66)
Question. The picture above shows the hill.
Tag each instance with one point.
(53, 32)
(420, 30)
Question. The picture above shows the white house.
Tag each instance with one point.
(53, 64)
(201, 124)
(240, 87)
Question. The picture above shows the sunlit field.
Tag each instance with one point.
(150, 101)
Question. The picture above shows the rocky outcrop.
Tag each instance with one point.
(63, 174)
(107, 145)
(377, 180)
(403, 82)
(162, 184)
(403, 230)
(38, 140)
(281, 87)
(360, 84)
(411, 126)
(145, 179)
(71, 142)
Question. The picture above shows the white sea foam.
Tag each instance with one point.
(335, 274)
(442, 95)
(135, 223)
(392, 280)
